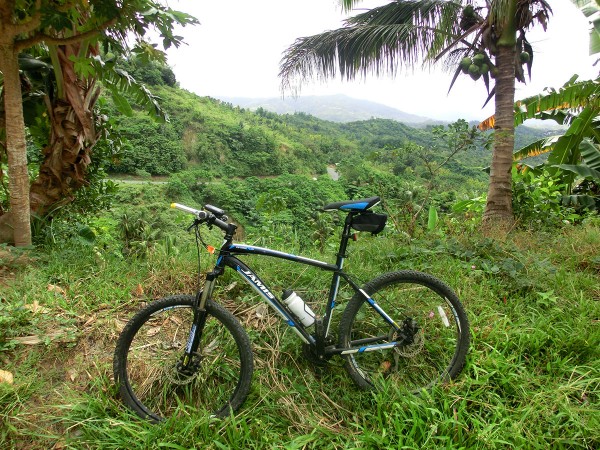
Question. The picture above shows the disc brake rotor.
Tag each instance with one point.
(412, 350)
(177, 375)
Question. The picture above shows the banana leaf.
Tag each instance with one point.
(581, 170)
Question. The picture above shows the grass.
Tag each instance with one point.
(532, 378)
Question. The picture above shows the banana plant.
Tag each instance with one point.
(590, 9)
(573, 155)
(52, 100)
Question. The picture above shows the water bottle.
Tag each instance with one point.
(300, 309)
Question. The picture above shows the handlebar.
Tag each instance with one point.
(210, 217)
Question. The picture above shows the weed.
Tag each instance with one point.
(532, 379)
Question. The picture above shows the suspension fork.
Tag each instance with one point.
(200, 315)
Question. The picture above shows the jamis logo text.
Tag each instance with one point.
(257, 283)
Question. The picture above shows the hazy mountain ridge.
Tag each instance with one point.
(335, 108)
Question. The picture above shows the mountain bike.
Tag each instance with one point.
(186, 352)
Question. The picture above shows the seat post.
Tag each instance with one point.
(346, 234)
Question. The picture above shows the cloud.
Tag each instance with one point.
(236, 50)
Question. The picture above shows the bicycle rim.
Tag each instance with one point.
(153, 382)
(433, 319)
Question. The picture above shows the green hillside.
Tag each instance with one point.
(207, 140)
(224, 141)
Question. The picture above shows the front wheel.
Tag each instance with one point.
(148, 369)
(432, 333)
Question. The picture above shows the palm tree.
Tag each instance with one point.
(484, 40)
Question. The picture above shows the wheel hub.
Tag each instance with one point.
(178, 374)
(411, 336)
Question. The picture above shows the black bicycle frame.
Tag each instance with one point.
(227, 258)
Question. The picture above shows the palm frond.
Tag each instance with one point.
(526, 12)
(383, 39)
(347, 5)
(490, 96)
(457, 72)
(499, 11)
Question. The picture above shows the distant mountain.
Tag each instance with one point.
(335, 108)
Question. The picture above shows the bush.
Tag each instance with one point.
(537, 199)
(149, 147)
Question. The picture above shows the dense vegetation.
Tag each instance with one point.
(532, 378)
(207, 140)
(224, 140)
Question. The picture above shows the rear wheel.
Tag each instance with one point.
(148, 369)
(433, 334)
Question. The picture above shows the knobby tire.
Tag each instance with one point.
(151, 345)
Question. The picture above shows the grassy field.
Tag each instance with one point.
(532, 378)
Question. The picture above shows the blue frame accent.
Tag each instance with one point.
(355, 206)
(240, 249)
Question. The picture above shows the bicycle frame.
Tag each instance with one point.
(228, 258)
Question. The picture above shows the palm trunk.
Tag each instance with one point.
(15, 225)
(498, 209)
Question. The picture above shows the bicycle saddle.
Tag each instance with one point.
(361, 204)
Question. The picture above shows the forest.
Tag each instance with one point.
(105, 243)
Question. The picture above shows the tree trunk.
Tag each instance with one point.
(498, 209)
(17, 221)
(66, 158)
(71, 139)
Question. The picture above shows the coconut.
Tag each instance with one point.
(474, 71)
(479, 59)
(464, 64)
(524, 57)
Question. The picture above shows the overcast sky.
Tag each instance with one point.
(236, 50)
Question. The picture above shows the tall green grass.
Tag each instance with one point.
(532, 378)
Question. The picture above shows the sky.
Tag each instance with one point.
(237, 48)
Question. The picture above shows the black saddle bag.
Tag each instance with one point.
(369, 221)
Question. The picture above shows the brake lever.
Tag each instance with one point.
(195, 223)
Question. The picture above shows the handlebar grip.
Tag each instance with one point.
(185, 208)
(222, 225)
(197, 212)
(205, 216)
